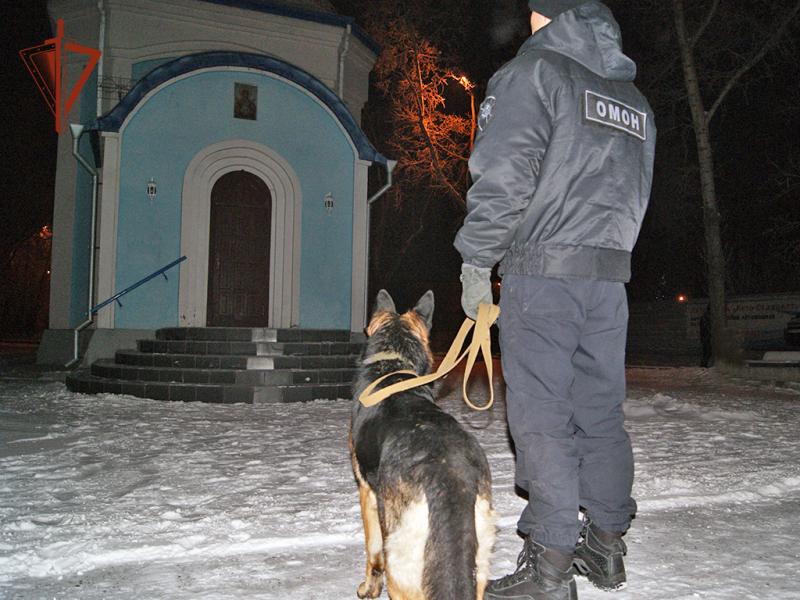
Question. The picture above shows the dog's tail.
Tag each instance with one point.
(459, 543)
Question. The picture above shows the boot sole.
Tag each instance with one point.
(607, 584)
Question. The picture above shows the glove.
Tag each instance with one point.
(476, 287)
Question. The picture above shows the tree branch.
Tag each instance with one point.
(675, 60)
(704, 25)
(421, 114)
(754, 60)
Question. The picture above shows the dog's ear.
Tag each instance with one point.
(424, 308)
(384, 302)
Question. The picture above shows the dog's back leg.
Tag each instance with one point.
(373, 584)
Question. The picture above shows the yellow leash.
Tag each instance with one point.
(487, 315)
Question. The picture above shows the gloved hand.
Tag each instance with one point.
(476, 287)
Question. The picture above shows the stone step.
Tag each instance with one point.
(309, 348)
(227, 361)
(186, 361)
(215, 334)
(113, 370)
(230, 364)
(248, 348)
(258, 334)
(197, 347)
(344, 361)
(83, 381)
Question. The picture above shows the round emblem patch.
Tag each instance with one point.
(486, 112)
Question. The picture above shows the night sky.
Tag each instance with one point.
(754, 136)
(30, 140)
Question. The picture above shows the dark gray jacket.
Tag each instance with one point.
(563, 160)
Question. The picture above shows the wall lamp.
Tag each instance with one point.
(152, 189)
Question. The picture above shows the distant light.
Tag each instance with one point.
(681, 298)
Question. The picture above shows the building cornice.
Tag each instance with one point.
(304, 14)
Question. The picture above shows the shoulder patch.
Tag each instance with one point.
(486, 112)
(613, 113)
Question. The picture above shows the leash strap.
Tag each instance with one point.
(481, 341)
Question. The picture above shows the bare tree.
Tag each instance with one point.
(710, 89)
(430, 143)
(785, 232)
(419, 114)
(25, 285)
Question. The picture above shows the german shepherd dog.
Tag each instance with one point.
(424, 482)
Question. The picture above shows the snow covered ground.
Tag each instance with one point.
(117, 497)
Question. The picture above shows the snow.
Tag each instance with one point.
(117, 497)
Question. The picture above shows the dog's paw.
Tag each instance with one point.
(371, 588)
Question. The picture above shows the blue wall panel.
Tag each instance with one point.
(185, 117)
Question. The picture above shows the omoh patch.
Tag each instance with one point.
(486, 112)
(613, 113)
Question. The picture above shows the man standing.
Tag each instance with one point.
(562, 169)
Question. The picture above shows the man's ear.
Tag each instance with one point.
(384, 302)
(424, 308)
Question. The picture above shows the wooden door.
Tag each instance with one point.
(238, 270)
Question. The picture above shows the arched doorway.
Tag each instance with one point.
(286, 198)
(238, 253)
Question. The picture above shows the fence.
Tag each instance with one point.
(668, 332)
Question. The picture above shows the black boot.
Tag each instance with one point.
(599, 557)
(542, 574)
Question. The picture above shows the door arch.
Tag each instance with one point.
(203, 171)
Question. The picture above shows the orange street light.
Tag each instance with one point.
(466, 83)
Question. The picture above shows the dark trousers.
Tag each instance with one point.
(563, 354)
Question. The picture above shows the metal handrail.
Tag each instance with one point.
(115, 298)
(130, 288)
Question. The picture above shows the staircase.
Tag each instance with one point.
(229, 365)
